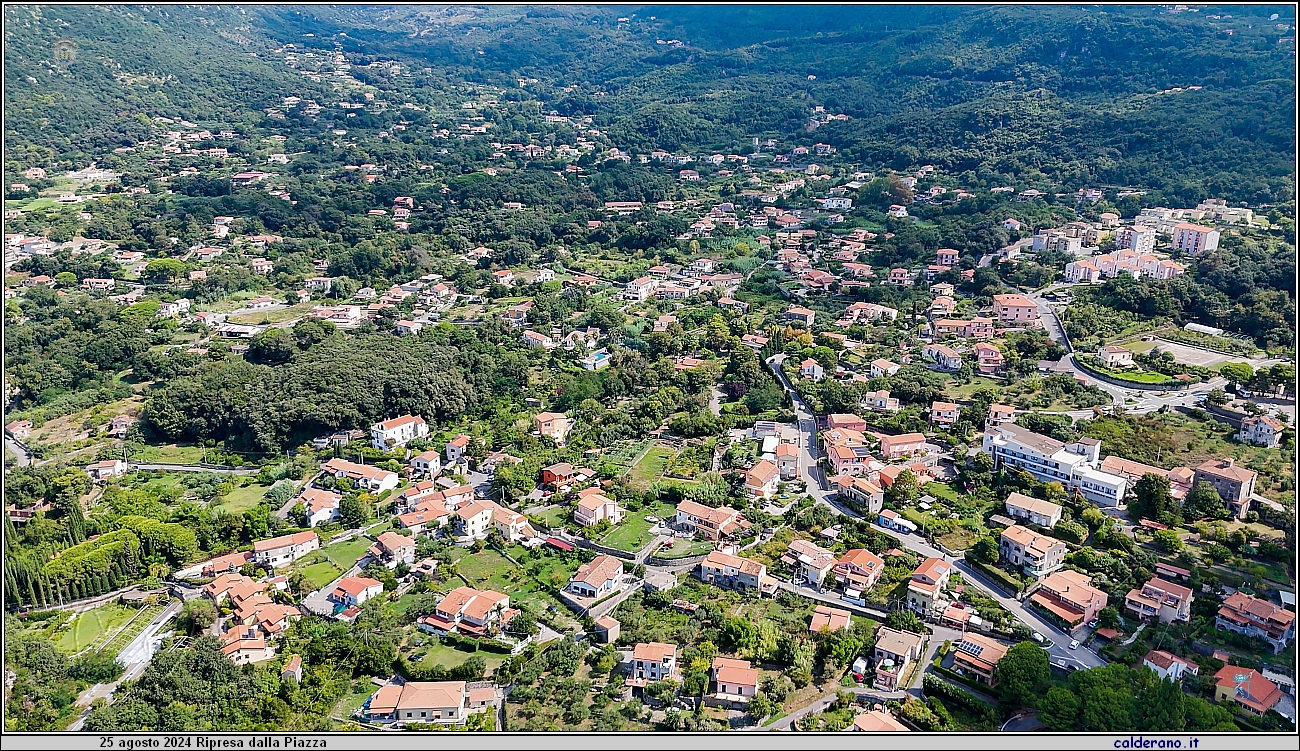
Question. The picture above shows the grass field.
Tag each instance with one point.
(489, 570)
(169, 453)
(242, 499)
(684, 549)
(262, 317)
(141, 620)
(965, 391)
(634, 532)
(1141, 346)
(318, 569)
(651, 466)
(556, 517)
(90, 625)
(345, 554)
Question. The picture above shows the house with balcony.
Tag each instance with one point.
(894, 653)
(926, 589)
(1160, 600)
(976, 656)
(1243, 614)
(859, 490)
(1037, 555)
(466, 610)
(808, 563)
(732, 572)
(858, 570)
(710, 523)
(1070, 597)
(596, 579)
(1073, 464)
(1250, 690)
(392, 550)
(652, 661)
(761, 479)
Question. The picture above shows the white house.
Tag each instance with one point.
(1262, 431)
(352, 591)
(596, 579)
(322, 506)
(281, 551)
(397, 432)
(1075, 465)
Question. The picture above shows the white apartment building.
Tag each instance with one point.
(1195, 239)
(1137, 239)
(1074, 465)
(639, 289)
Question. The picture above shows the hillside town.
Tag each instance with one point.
(761, 454)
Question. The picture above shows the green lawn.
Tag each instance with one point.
(318, 570)
(489, 570)
(242, 499)
(965, 391)
(634, 532)
(1141, 346)
(99, 623)
(685, 549)
(346, 554)
(556, 517)
(651, 466)
(941, 490)
(169, 453)
(445, 655)
(265, 317)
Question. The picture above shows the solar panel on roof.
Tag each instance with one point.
(969, 648)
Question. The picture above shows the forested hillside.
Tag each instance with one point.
(1077, 95)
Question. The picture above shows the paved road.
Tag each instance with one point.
(134, 658)
(198, 468)
(22, 456)
(1082, 656)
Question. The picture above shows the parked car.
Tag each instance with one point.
(1074, 644)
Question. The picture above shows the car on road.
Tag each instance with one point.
(1092, 623)
(1074, 644)
(1038, 637)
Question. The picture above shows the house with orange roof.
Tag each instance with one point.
(859, 490)
(392, 549)
(943, 414)
(470, 611)
(732, 572)
(858, 570)
(710, 523)
(553, 425)
(827, 618)
(652, 661)
(977, 657)
(419, 702)
(1037, 555)
(906, 444)
(1244, 614)
(455, 449)
(244, 646)
(761, 479)
(734, 680)
(595, 507)
(397, 432)
(370, 478)
(926, 588)
(1014, 309)
(787, 461)
(1070, 597)
(1250, 690)
(322, 506)
(596, 579)
(1159, 600)
(1169, 666)
(426, 463)
(231, 562)
(355, 590)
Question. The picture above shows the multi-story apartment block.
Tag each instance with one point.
(1252, 616)
(732, 572)
(1235, 484)
(1037, 555)
(1073, 464)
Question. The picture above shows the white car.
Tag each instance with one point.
(1074, 644)
(652, 519)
